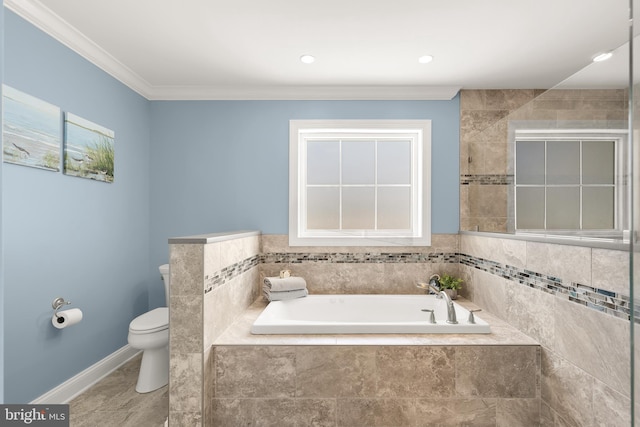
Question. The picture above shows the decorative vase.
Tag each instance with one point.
(453, 293)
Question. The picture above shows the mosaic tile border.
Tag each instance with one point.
(607, 302)
(234, 270)
(359, 258)
(499, 179)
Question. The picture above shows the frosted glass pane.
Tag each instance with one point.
(323, 162)
(323, 208)
(394, 208)
(394, 162)
(598, 162)
(358, 208)
(563, 162)
(358, 162)
(598, 208)
(530, 208)
(563, 208)
(530, 162)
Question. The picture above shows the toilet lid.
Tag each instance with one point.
(152, 321)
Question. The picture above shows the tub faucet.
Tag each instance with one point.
(434, 286)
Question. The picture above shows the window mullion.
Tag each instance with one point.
(340, 184)
(580, 189)
(375, 184)
(545, 185)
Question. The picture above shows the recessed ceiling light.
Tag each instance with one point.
(602, 57)
(425, 59)
(307, 59)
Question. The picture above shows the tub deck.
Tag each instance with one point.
(239, 333)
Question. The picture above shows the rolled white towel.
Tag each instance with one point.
(284, 295)
(276, 284)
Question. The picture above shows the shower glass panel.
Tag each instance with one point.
(530, 162)
(563, 162)
(634, 271)
(597, 208)
(563, 208)
(530, 208)
(598, 162)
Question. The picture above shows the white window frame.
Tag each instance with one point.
(418, 131)
(621, 196)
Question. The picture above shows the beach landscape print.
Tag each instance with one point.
(88, 149)
(31, 130)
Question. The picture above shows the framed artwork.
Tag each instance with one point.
(88, 149)
(31, 130)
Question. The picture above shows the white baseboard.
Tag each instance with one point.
(85, 379)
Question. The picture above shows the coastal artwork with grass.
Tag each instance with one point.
(31, 130)
(88, 149)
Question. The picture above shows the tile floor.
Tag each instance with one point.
(114, 402)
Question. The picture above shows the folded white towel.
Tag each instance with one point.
(284, 295)
(276, 284)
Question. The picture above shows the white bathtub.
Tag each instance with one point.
(363, 314)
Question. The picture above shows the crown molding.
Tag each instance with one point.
(46, 20)
(312, 92)
(35, 12)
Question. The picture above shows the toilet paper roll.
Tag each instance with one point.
(67, 318)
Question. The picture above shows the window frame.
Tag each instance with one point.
(301, 131)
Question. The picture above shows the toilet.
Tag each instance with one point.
(150, 332)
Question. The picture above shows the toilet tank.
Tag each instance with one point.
(164, 270)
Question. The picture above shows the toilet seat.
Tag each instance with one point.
(150, 322)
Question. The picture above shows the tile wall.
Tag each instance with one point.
(214, 278)
(377, 385)
(363, 270)
(584, 338)
(572, 300)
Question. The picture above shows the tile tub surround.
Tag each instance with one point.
(493, 270)
(371, 380)
(584, 340)
(213, 279)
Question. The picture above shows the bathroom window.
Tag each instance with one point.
(569, 181)
(360, 183)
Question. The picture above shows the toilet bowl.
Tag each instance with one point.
(149, 332)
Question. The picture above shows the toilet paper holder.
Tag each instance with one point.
(57, 304)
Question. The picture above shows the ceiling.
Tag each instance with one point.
(364, 49)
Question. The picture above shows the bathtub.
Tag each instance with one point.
(363, 314)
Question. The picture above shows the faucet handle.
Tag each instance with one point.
(471, 318)
(432, 317)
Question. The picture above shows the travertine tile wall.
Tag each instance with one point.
(377, 385)
(584, 360)
(361, 270)
(211, 284)
(585, 352)
(486, 172)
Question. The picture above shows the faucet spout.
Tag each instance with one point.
(451, 310)
(434, 286)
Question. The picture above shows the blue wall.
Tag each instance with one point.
(181, 168)
(83, 240)
(223, 165)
